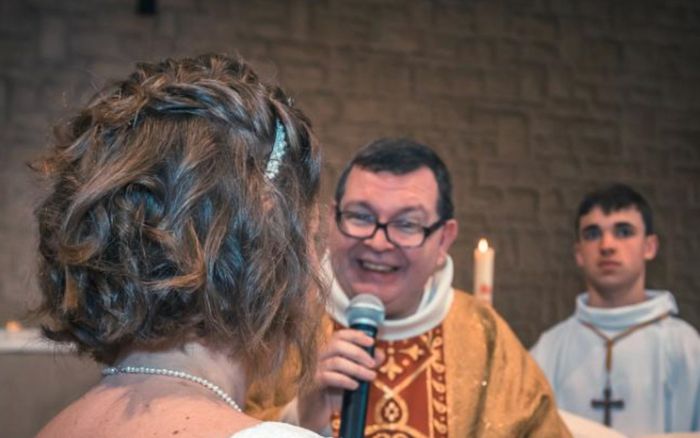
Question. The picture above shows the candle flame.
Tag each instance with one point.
(13, 326)
(483, 245)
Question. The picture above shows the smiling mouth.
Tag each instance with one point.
(377, 267)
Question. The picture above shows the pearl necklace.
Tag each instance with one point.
(110, 371)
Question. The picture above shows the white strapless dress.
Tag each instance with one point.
(276, 430)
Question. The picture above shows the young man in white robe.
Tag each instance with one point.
(623, 358)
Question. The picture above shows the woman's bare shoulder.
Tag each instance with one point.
(114, 412)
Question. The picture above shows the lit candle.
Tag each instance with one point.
(483, 271)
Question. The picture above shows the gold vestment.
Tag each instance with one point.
(466, 377)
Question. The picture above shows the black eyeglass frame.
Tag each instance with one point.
(427, 231)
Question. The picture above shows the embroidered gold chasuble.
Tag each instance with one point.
(468, 377)
(454, 369)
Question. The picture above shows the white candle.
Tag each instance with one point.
(483, 271)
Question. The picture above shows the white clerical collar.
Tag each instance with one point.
(657, 303)
(436, 302)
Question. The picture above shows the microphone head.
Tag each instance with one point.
(365, 309)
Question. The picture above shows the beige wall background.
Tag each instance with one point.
(530, 102)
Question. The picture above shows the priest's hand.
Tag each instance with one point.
(342, 362)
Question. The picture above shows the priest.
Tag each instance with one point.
(445, 364)
(624, 358)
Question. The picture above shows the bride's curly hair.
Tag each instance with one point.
(162, 225)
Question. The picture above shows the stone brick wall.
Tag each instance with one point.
(531, 102)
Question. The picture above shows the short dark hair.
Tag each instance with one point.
(615, 197)
(401, 156)
(163, 224)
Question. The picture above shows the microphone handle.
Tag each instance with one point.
(354, 410)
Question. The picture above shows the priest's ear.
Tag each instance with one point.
(448, 236)
(651, 246)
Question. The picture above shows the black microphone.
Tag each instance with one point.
(365, 313)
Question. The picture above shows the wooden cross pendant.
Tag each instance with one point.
(607, 404)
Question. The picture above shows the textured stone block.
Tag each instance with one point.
(52, 41)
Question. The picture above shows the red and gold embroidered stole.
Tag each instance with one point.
(408, 398)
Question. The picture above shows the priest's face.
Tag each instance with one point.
(612, 250)
(395, 274)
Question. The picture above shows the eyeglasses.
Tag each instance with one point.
(402, 233)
